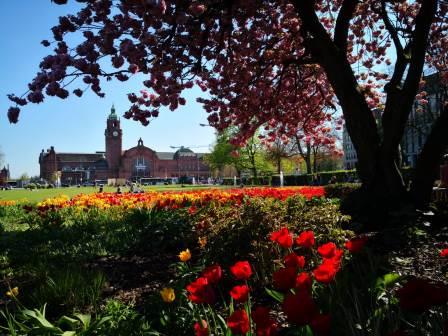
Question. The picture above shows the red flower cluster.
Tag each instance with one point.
(299, 308)
(282, 237)
(356, 244)
(326, 272)
(305, 239)
(241, 270)
(238, 322)
(265, 325)
(240, 293)
(213, 274)
(200, 291)
(201, 329)
(293, 260)
(285, 278)
(418, 295)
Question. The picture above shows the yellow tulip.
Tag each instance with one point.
(185, 255)
(13, 292)
(167, 295)
(202, 241)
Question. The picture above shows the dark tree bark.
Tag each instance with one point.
(378, 163)
(428, 161)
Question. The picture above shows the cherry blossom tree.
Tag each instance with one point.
(265, 63)
(278, 150)
(316, 145)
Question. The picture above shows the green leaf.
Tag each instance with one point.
(70, 321)
(85, 319)
(386, 281)
(275, 295)
(39, 317)
(69, 333)
(390, 279)
(223, 325)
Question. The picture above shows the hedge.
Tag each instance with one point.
(342, 176)
(261, 180)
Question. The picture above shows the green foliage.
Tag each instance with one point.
(247, 181)
(35, 322)
(68, 289)
(122, 319)
(323, 178)
(341, 190)
(245, 230)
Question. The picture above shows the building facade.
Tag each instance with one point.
(131, 164)
(4, 175)
(417, 128)
(421, 119)
(350, 157)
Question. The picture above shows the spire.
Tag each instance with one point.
(112, 114)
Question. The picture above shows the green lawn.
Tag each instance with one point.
(41, 194)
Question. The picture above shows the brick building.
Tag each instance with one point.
(131, 164)
(4, 176)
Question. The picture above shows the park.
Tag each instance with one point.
(320, 206)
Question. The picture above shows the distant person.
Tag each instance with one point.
(315, 181)
(333, 180)
(101, 188)
(118, 190)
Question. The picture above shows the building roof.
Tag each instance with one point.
(79, 157)
(165, 155)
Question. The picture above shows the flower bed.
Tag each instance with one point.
(179, 199)
(250, 261)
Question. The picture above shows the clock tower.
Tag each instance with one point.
(113, 135)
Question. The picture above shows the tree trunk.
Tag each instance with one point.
(428, 161)
(279, 165)
(377, 160)
(308, 164)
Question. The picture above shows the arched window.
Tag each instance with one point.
(141, 167)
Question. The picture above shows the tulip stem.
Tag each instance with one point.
(249, 311)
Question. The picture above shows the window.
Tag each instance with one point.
(141, 167)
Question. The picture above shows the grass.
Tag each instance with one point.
(41, 194)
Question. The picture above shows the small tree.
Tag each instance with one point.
(278, 150)
(24, 177)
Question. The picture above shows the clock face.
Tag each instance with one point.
(115, 133)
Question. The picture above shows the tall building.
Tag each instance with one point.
(350, 156)
(421, 119)
(131, 164)
(417, 128)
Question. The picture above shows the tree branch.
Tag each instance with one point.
(399, 102)
(343, 23)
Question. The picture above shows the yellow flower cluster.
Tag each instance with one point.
(58, 202)
(172, 200)
(14, 292)
(184, 256)
(8, 203)
(168, 295)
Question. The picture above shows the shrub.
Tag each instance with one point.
(244, 229)
(31, 186)
(341, 190)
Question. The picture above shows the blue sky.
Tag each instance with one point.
(74, 124)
